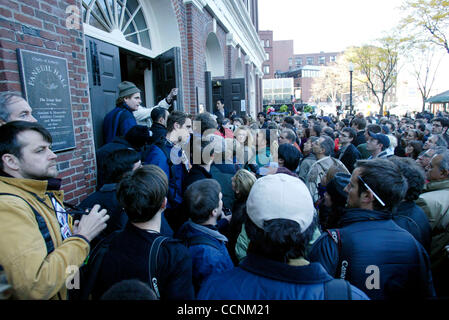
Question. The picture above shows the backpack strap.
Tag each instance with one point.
(117, 122)
(202, 240)
(337, 289)
(43, 228)
(154, 252)
(342, 263)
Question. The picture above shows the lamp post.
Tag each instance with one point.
(351, 70)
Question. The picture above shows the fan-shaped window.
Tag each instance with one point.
(125, 16)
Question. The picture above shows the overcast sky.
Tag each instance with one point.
(327, 25)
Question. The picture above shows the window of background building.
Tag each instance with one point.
(262, 43)
(267, 43)
(310, 60)
(266, 69)
(290, 61)
(333, 58)
(298, 61)
(267, 56)
(322, 59)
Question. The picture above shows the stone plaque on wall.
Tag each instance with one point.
(46, 87)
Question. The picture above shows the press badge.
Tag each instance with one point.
(62, 216)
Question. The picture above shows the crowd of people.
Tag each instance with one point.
(224, 206)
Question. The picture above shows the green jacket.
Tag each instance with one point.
(435, 202)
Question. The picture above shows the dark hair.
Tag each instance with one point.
(329, 132)
(290, 155)
(417, 148)
(129, 290)
(443, 120)
(142, 192)
(374, 128)
(413, 173)
(280, 239)
(359, 122)
(8, 137)
(352, 133)
(201, 198)
(138, 136)
(262, 114)
(176, 117)
(289, 120)
(206, 120)
(158, 113)
(119, 162)
(221, 100)
(317, 128)
(5, 100)
(385, 179)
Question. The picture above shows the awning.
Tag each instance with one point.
(439, 98)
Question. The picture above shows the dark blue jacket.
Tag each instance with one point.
(369, 240)
(206, 259)
(116, 124)
(158, 132)
(257, 278)
(350, 157)
(128, 258)
(413, 219)
(156, 156)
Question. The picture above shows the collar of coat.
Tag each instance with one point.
(38, 187)
(304, 274)
(354, 215)
(436, 185)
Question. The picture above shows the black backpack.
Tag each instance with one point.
(88, 272)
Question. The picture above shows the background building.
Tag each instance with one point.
(209, 49)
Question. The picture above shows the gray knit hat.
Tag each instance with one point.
(126, 89)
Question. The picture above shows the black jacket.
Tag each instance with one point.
(359, 139)
(118, 143)
(158, 131)
(128, 258)
(350, 156)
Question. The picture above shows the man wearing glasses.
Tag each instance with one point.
(348, 152)
(370, 250)
(440, 126)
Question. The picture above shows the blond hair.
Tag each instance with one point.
(243, 181)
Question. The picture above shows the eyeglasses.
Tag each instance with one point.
(371, 190)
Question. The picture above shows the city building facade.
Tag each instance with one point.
(203, 47)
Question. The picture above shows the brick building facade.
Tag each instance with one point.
(136, 44)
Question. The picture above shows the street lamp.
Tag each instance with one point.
(351, 70)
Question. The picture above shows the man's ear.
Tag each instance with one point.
(10, 161)
(366, 197)
(164, 203)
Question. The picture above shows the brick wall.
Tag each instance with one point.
(40, 26)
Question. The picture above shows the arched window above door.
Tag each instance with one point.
(120, 17)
